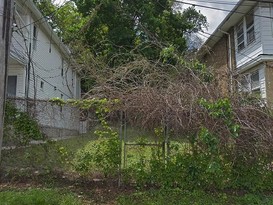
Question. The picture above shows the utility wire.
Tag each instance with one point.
(44, 18)
(233, 49)
(216, 2)
(220, 9)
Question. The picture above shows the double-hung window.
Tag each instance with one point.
(250, 83)
(245, 31)
(240, 36)
(250, 31)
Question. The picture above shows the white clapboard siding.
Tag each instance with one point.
(50, 68)
(255, 48)
(46, 78)
(266, 30)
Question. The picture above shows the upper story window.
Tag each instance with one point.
(42, 85)
(245, 31)
(62, 68)
(250, 32)
(240, 36)
(35, 35)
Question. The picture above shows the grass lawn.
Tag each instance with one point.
(58, 155)
(179, 197)
(38, 197)
(52, 154)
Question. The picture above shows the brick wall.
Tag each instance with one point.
(269, 83)
(217, 58)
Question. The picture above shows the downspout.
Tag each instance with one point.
(229, 60)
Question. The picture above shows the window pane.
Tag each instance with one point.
(250, 35)
(12, 84)
(240, 29)
(241, 39)
(255, 82)
(245, 84)
(249, 20)
(240, 36)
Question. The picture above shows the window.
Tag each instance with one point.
(255, 81)
(250, 83)
(12, 85)
(35, 35)
(62, 68)
(245, 83)
(240, 36)
(42, 85)
(245, 31)
(250, 32)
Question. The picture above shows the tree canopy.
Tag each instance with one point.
(108, 33)
(120, 28)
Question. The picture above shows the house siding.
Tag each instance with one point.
(40, 76)
(255, 48)
(49, 62)
(266, 30)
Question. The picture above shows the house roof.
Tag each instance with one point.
(234, 16)
(46, 26)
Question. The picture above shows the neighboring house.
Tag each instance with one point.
(241, 50)
(39, 70)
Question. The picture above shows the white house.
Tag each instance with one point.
(39, 69)
(241, 48)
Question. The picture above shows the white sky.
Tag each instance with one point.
(214, 16)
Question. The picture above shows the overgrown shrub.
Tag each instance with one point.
(20, 128)
(101, 155)
(229, 138)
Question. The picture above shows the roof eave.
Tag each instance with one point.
(50, 32)
(230, 20)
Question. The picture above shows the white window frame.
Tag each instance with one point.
(249, 86)
(248, 36)
(240, 45)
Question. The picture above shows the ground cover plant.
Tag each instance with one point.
(38, 197)
(182, 197)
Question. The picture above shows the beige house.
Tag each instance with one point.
(240, 51)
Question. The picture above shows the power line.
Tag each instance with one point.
(45, 17)
(218, 2)
(233, 49)
(220, 9)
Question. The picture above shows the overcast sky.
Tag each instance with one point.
(214, 16)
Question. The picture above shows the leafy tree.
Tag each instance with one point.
(64, 19)
(122, 28)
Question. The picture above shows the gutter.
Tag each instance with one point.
(229, 60)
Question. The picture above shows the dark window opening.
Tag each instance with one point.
(12, 85)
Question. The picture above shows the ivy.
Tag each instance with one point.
(222, 109)
(19, 127)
